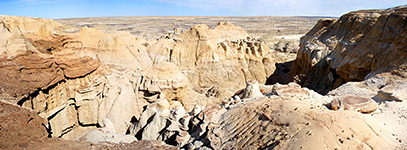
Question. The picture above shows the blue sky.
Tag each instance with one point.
(55, 9)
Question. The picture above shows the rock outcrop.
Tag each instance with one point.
(286, 46)
(25, 69)
(355, 47)
(216, 57)
(22, 128)
(55, 75)
(287, 117)
(286, 123)
(121, 48)
(24, 74)
(18, 123)
(360, 54)
(164, 122)
(252, 90)
(164, 80)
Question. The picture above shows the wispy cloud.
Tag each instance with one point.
(37, 1)
(86, 8)
(207, 4)
(285, 7)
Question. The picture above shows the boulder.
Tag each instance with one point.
(252, 90)
(158, 123)
(355, 103)
(290, 90)
(148, 113)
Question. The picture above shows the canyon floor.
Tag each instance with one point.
(205, 82)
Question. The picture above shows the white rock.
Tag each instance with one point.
(196, 110)
(151, 131)
(107, 134)
(147, 114)
(252, 90)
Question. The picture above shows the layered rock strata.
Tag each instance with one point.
(360, 54)
(357, 46)
(97, 87)
(76, 80)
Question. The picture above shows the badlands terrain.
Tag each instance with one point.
(205, 83)
(275, 31)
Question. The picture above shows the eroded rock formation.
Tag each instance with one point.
(357, 46)
(286, 123)
(360, 54)
(216, 57)
(204, 88)
(76, 80)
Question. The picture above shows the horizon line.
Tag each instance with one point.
(198, 17)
